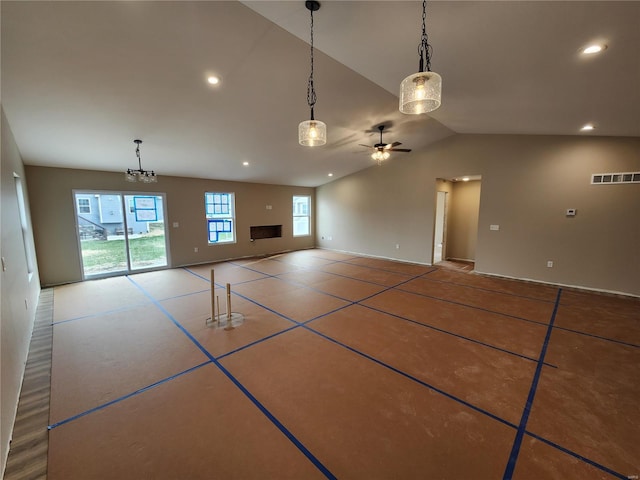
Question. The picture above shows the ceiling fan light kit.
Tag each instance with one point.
(380, 155)
(421, 92)
(312, 132)
(381, 150)
(140, 175)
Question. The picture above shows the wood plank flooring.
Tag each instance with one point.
(28, 451)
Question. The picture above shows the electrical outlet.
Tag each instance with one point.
(550, 264)
(397, 246)
(195, 249)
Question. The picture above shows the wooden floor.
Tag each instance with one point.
(343, 367)
(28, 452)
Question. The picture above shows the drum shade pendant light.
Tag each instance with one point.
(312, 132)
(421, 92)
(140, 175)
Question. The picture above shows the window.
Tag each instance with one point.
(220, 214)
(24, 224)
(84, 205)
(301, 215)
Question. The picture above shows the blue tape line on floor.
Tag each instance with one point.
(483, 289)
(304, 325)
(626, 344)
(578, 456)
(129, 395)
(474, 307)
(411, 377)
(517, 443)
(242, 388)
(484, 412)
(100, 314)
(457, 335)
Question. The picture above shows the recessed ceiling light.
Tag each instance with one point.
(213, 80)
(588, 127)
(595, 48)
(330, 175)
(245, 163)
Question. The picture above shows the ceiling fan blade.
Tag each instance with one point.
(400, 149)
(366, 146)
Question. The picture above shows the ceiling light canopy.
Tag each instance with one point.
(140, 175)
(422, 91)
(312, 132)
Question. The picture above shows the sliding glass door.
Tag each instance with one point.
(120, 233)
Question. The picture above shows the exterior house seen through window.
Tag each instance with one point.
(301, 215)
(220, 214)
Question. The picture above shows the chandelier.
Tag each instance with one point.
(421, 92)
(312, 132)
(140, 175)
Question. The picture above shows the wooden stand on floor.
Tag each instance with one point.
(232, 319)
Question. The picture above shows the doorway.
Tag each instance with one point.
(455, 229)
(440, 227)
(120, 233)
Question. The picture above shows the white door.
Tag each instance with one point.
(440, 227)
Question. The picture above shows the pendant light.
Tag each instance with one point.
(312, 132)
(140, 175)
(421, 92)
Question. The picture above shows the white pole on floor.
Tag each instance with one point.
(229, 325)
(213, 298)
(218, 317)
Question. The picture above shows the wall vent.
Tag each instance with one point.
(609, 178)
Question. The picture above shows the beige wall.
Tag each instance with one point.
(463, 220)
(19, 291)
(50, 191)
(527, 184)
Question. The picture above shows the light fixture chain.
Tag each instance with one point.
(425, 50)
(311, 92)
(138, 155)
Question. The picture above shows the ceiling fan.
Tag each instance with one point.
(381, 150)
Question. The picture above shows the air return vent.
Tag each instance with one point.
(609, 178)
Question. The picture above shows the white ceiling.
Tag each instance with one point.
(82, 80)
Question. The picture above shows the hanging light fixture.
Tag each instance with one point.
(380, 154)
(312, 132)
(421, 92)
(140, 175)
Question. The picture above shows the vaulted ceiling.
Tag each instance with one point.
(82, 80)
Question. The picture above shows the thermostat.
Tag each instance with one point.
(571, 212)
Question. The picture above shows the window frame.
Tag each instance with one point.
(88, 206)
(224, 220)
(301, 215)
